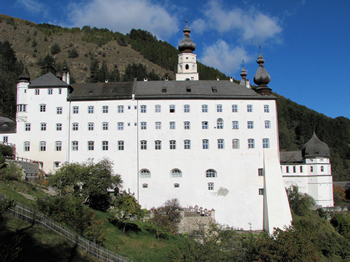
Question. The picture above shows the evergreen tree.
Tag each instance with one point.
(48, 64)
(94, 70)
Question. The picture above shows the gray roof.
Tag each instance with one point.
(101, 91)
(47, 80)
(315, 148)
(210, 89)
(202, 89)
(7, 125)
(291, 157)
(29, 167)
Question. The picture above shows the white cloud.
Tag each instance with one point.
(33, 6)
(252, 25)
(225, 58)
(123, 15)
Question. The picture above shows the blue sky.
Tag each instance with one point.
(306, 44)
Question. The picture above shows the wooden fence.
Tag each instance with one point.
(32, 216)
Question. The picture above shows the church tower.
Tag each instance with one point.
(187, 62)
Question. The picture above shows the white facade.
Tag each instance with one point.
(208, 143)
(313, 177)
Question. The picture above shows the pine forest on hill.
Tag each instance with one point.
(94, 55)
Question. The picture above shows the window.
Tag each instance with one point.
(204, 108)
(261, 191)
(60, 91)
(58, 145)
(75, 109)
(287, 169)
(220, 123)
(158, 125)
(234, 108)
(5, 139)
(120, 109)
(311, 169)
(322, 168)
(75, 126)
(120, 125)
(91, 145)
(266, 109)
(21, 108)
(176, 185)
(251, 143)
(37, 91)
(58, 126)
(143, 125)
(249, 108)
(205, 144)
(143, 144)
(219, 108)
(27, 146)
(105, 109)
(144, 185)
(144, 173)
(235, 143)
(90, 126)
(157, 108)
(186, 125)
(90, 109)
(172, 125)
(301, 169)
(210, 173)
(176, 173)
(75, 145)
(260, 172)
(186, 108)
(49, 91)
(42, 146)
(59, 110)
(250, 124)
(42, 108)
(105, 126)
(120, 145)
(27, 127)
(205, 124)
(172, 144)
(294, 169)
(235, 125)
(57, 164)
(210, 186)
(220, 144)
(157, 145)
(43, 127)
(266, 143)
(143, 108)
(267, 124)
(187, 144)
(172, 108)
(104, 145)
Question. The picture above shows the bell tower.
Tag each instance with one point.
(187, 61)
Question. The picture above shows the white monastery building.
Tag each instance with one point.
(208, 143)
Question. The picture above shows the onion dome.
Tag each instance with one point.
(262, 77)
(315, 148)
(23, 77)
(243, 75)
(186, 45)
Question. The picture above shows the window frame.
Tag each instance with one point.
(26, 146)
(219, 123)
(172, 125)
(205, 143)
(105, 126)
(221, 143)
(75, 126)
(58, 145)
(219, 108)
(75, 145)
(176, 173)
(266, 143)
(204, 108)
(157, 108)
(42, 146)
(210, 173)
(235, 124)
(58, 126)
(143, 144)
(187, 144)
(59, 110)
(91, 109)
(43, 126)
(42, 108)
(250, 124)
(158, 125)
(75, 109)
(104, 145)
(143, 109)
(120, 125)
(121, 145)
(172, 144)
(251, 143)
(105, 109)
(157, 145)
(234, 108)
(91, 126)
(187, 125)
(187, 108)
(235, 143)
(120, 109)
(91, 145)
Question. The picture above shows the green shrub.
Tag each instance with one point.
(55, 49)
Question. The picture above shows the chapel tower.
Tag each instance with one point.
(187, 62)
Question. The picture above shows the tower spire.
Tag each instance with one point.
(262, 77)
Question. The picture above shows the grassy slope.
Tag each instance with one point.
(141, 246)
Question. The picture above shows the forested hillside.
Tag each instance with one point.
(94, 55)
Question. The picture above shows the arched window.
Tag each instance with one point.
(144, 173)
(210, 173)
(176, 173)
(220, 123)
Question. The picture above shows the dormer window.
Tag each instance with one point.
(164, 90)
(188, 89)
(213, 89)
